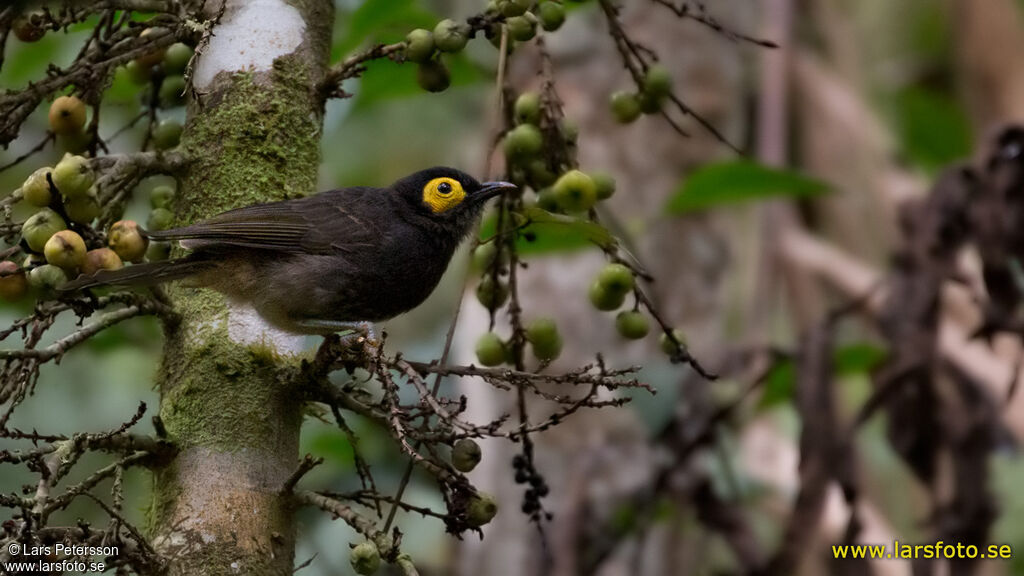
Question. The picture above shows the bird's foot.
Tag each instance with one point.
(361, 335)
(349, 334)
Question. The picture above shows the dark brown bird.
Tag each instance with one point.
(316, 265)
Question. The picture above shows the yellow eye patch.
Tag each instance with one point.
(443, 194)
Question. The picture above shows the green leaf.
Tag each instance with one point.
(933, 127)
(738, 181)
(858, 358)
(545, 233)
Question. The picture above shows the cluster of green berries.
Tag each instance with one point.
(57, 253)
(608, 292)
(164, 67)
(68, 115)
(523, 16)
(528, 161)
(655, 88)
(541, 334)
(424, 48)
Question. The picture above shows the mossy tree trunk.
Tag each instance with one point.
(253, 132)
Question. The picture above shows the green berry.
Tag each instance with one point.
(161, 197)
(605, 185)
(512, 8)
(523, 141)
(616, 278)
(419, 45)
(138, 74)
(65, 249)
(485, 255)
(669, 347)
(604, 299)
(466, 455)
(657, 82)
(527, 108)
(490, 350)
(176, 59)
(67, 115)
(172, 92)
(167, 134)
(450, 36)
(157, 251)
(73, 176)
(632, 325)
(83, 209)
(520, 28)
(575, 191)
(481, 510)
(47, 277)
(365, 558)
(544, 339)
(546, 199)
(625, 107)
(492, 294)
(540, 175)
(552, 16)
(159, 219)
(433, 76)
(36, 190)
(39, 227)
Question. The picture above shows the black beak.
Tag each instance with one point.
(491, 189)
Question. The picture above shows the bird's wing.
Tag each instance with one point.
(322, 224)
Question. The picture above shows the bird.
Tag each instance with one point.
(326, 262)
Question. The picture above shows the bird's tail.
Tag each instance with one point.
(147, 274)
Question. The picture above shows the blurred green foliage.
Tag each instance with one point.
(736, 181)
(848, 360)
(933, 127)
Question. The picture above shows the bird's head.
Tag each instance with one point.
(446, 196)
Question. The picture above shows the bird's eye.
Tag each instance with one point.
(443, 194)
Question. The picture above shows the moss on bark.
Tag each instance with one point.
(217, 508)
